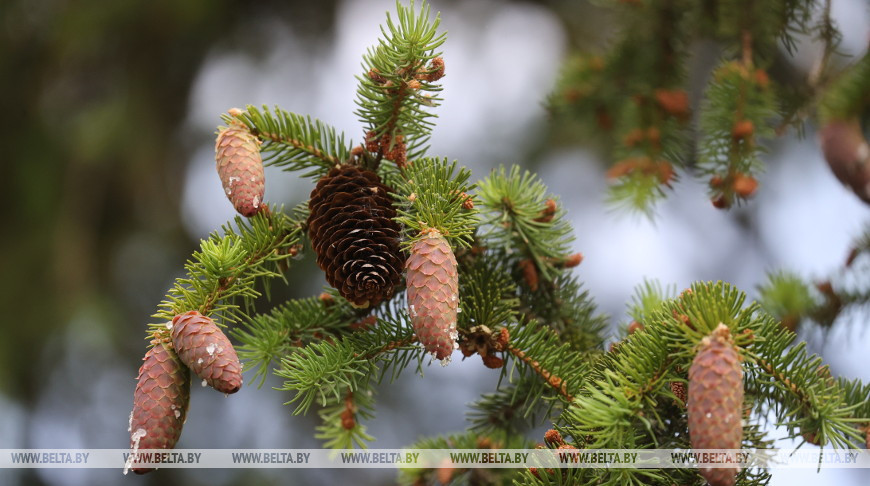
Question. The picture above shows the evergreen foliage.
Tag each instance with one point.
(523, 310)
(634, 96)
(294, 142)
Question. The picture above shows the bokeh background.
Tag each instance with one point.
(108, 183)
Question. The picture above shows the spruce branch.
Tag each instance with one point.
(796, 387)
(295, 142)
(649, 296)
(324, 371)
(568, 309)
(228, 267)
(514, 205)
(268, 337)
(398, 86)
(847, 97)
(736, 115)
(340, 426)
(433, 195)
(488, 293)
(787, 298)
(512, 409)
(537, 349)
(469, 440)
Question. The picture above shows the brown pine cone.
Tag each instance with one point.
(715, 401)
(678, 388)
(240, 167)
(433, 293)
(352, 232)
(159, 403)
(848, 154)
(203, 347)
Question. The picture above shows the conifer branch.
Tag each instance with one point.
(738, 108)
(551, 379)
(227, 267)
(266, 338)
(513, 205)
(398, 85)
(295, 142)
(488, 292)
(512, 409)
(324, 371)
(539, 350)
(794, 382)
(469, 440)
(569, 310)
(341, 427)
(432, 194)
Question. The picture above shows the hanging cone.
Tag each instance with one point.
(433, 293)
(240, 167)
(715, 401)
(203, 347)
(848, 154)
(159, 403)
(352, 232)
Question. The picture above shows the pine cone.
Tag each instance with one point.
(159, 402)
(240, 167)
(848, 154)
(203, 347)
(352, 232)
(715, 402)
(433, 288)
(678, 388)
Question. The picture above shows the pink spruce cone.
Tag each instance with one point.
(433, 288)
(159, 403)
(715, 403)
(203, 347)
(240, 167)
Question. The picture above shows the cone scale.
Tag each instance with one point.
(433, 294)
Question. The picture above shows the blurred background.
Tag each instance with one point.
(108, 121)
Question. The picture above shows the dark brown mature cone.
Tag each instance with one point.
(715, 401)
(848, 154)
(433, 294)
(352, 232)
(203, 347)
(240, 167)
(159, 402)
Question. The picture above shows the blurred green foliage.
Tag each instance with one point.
(94, 94)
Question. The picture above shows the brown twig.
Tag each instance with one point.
(554, 381)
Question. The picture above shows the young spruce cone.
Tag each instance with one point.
(159, 402)
(715, 401)
(433, 288)
(240, 167)
(203, 347)
(352, 232)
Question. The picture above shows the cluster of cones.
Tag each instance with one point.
(195, 344)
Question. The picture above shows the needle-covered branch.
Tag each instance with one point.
(398, 84)
(295, 142)
(228, 266)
